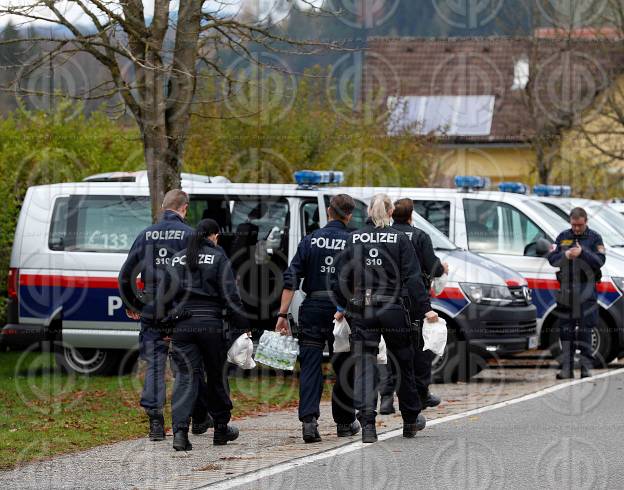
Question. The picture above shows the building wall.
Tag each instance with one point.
(499, 164)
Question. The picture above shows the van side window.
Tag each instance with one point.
(106, 223)
(310, 219)
(57, 239)
(360, 214)
(438, 213)
(498, 227)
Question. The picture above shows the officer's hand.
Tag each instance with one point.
(445, 267)
(575, 251)
(339, 315)
(133, 315)
(431, 316)
(282, 326)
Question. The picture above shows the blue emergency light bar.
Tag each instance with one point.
(543, 190)
(513, 187)
(316, 177)
(471, 182)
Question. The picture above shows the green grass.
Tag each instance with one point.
(45, 413)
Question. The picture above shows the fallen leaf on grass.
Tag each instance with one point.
(12, 430)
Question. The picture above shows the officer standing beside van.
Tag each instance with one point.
(204, 286)
(580, 254)
(148, 258)
(314, 263)
(376, 271)
(431, 267)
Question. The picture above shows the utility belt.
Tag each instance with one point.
(328, 295)
(370, 299)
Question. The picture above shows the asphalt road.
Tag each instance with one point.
(570, 438)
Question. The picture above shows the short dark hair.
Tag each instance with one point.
(403, 209)
(578, 213)
(342, 204)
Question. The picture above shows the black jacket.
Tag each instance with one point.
(430, 264)
(383, 260)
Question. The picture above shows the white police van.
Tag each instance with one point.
(72, 238)
(602, 218)
(516, 230)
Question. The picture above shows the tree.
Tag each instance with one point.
(155, 61)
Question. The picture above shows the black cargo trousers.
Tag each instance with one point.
(199, 344)
(368, 323)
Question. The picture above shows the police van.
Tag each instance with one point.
(72, 239)
(602, 218)
(514, 229)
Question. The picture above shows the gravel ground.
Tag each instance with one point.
(266, 439)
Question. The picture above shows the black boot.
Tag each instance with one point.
(156, 425)
(565, 373)
(369, 433)
(181, 441)
(432, 400)
(410, 430)
(198, 428)
(309, 431)
(585, 371)
(348, 430)
(223, 434)
(386, 406)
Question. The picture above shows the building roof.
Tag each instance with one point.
(565, 77)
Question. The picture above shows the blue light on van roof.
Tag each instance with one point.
(543, 190)
(514, 187)
(316, 177)
(471, 182)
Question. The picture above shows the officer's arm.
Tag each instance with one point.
(557, 256)
(229, 291)
(595, 256)
(431, 263)
(297, 268)
(411, 277)
(128, 274)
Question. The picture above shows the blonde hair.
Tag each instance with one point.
(380, 209)
(175, 199)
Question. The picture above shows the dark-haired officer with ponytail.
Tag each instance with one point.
(205, 287)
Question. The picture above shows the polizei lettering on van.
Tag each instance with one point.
(329, 243)
(379, 237)
(165, 235)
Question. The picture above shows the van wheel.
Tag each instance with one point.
(445, 368)
(602, 344)
(86, 361)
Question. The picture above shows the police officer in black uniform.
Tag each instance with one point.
(579, 253)
(314, 263)
(205, 287)
(431, 267)
(376, 272)
(148, 257)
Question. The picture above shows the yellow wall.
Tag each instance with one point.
(499, 164)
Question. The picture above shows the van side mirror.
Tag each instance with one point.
(542, 247)
(56, 243)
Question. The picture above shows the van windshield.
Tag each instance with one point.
(604, 213)
(548, 215)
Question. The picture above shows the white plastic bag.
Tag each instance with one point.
(434, 336)
(341, 335)
(439, 283)
(277, 351)
(241, 352)
(382, 356)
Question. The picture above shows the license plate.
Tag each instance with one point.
(533, 342)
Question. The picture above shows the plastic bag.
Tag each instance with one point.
(382, 356)
(434, 336)
(439, 283)
(277, 351)
(241, 352)
(341, 335)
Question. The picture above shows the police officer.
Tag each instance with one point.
(431, 267)
(579, 253)
(377, 269)
(148, 257)
(314, 263)
(204, 287)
